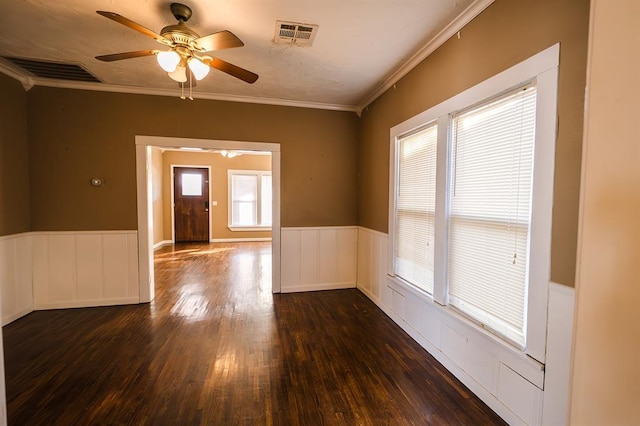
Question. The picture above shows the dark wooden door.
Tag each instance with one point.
(191, 203)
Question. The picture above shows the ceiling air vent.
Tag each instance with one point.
(54, 70)
(295, 33)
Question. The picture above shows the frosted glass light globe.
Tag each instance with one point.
(199, 68)
(168, 60)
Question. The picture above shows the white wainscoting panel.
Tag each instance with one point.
(318, 258)
(372, 263)
(520, 395)
(516, 387)
(555, 406)
(16, 276)
(80, 269)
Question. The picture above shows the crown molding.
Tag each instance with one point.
(29, 82)
(449, 31)
(9, 70)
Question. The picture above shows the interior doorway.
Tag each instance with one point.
(191, 216)
(144, 146)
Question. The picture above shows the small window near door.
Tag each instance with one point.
(250, 200)
(192, 184)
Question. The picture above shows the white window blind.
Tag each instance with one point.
(250, 198)
(490, 211)
(415, 207)
(244, 197)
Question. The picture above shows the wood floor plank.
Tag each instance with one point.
(217, 347)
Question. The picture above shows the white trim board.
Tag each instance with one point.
(240, 240)
(163, 243)
(87, 303)
(29, 82)
(557, 385)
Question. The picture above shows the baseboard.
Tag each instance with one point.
(8, 319)
(239, 240)
(317, 287)
(87, 303)
(498, 407)
(369, 295)
(159, 244)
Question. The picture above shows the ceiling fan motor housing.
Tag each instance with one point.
(181, 11)
(180, 34)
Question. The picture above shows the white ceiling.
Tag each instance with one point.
(361, 48)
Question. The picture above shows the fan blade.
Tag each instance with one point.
(126, 55)
(231, 69)
(218, 41)
(134, 26)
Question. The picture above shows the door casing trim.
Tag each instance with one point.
(145, 220)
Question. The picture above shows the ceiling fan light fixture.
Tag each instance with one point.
(179, 75)
(230, 154)
(184, 47)
(199, 68)
(168, 60)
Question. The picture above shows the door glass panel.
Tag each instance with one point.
(192, 184)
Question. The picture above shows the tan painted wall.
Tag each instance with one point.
(606, 377)
(77, 134)
(505, 34)
(157, 199)
(15, 216)
(219, 187)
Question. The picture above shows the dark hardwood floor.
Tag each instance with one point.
(217, 347)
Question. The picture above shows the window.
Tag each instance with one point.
(249, 199)
(415, 207)
(191, 184)
(471, 196)
(490, 210)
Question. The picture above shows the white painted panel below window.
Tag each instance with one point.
(520, 395)
(470, 353)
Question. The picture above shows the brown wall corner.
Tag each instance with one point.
(15, 213)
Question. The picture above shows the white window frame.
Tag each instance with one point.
(395, 210)
(543, 69)
(259, 174)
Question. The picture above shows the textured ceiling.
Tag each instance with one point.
(360, 44)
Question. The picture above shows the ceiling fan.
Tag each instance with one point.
(185, 58)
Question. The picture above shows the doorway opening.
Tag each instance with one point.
(145, 192)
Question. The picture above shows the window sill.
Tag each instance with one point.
(250, 228)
